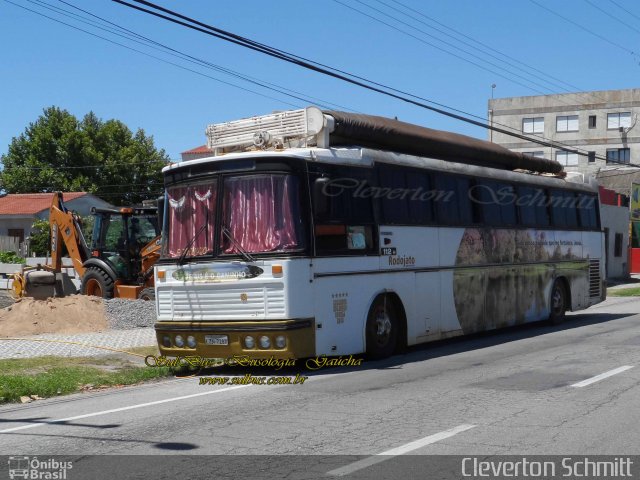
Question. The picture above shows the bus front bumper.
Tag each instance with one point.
(210, 338)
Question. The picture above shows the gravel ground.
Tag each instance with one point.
(6, 299)
(123, 314)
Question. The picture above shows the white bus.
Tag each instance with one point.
(310, 233)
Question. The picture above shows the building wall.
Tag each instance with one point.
(616, 221)
(8, 222)
(512, 111)
(81, 205)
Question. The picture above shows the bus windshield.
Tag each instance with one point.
(260, 214)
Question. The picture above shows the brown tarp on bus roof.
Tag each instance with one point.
(387, 134)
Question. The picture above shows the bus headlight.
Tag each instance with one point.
(179, 341)
(265, 342)
(249, 342)
(166, 341)
(281, 341)
(191, 342)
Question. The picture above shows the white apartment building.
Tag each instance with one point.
(604, 123)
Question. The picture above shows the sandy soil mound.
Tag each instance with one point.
(72, 314)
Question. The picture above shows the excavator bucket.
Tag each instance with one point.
(41, 284)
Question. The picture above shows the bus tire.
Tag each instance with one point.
(558, 302)
(382, 328)
(97, 282)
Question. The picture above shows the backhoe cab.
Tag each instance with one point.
(124, 246)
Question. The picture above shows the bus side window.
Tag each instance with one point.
(344, 223)
(497, 202)
(557, 209)
(541, 204)
(453, 205)
(405, 196)
(587, 213)
(527, 206)
(570, 210)
(563, 205)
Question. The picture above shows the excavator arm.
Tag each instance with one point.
(65, 227)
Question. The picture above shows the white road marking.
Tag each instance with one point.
(602, 376)
(121, 409)
(141, 405)
(401, 450)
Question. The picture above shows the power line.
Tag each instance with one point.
(164, 60)
(612, 16)
(588, 30)
(474, 63)
(201, 62)
(545, 76)
(329, 71)
(439, 48)
(622, 8)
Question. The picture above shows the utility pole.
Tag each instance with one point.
(493, 87)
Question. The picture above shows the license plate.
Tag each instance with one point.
(216, 339)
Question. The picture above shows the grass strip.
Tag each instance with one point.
(51, 376)
(624, 292)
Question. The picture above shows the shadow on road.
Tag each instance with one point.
(436, 349)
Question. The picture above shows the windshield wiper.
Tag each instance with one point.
(193, 239)
(227, 233)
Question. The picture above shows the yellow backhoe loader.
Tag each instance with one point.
(125, 245)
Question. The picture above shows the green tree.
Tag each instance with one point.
(39, 239)
(58, 152)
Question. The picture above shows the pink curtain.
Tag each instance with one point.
(262, 213)
(189, 209)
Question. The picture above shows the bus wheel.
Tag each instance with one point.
(558, 302)
(382, 328)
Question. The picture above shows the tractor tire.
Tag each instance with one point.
(148, 294)
(97, 282)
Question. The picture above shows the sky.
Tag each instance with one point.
(444, 51)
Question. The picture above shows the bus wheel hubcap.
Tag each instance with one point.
(557, 300)
(383, 326)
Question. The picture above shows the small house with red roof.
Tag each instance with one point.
(199, 152)
(19, 210)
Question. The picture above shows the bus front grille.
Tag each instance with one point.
(594, 278)
(221, 302)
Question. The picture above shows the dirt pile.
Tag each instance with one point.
(72, 314)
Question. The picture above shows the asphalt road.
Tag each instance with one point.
(531, 390)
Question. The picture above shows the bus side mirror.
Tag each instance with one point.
(320, 199)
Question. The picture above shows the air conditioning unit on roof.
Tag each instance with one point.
(291, 128)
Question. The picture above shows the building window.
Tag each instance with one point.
(592, 156)
(567, 158)
(568, 123)
(537, 154)
(592, 121)
(533, 125)
(16, 232)
(618, 120)
(618, 155)
(617, 245)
